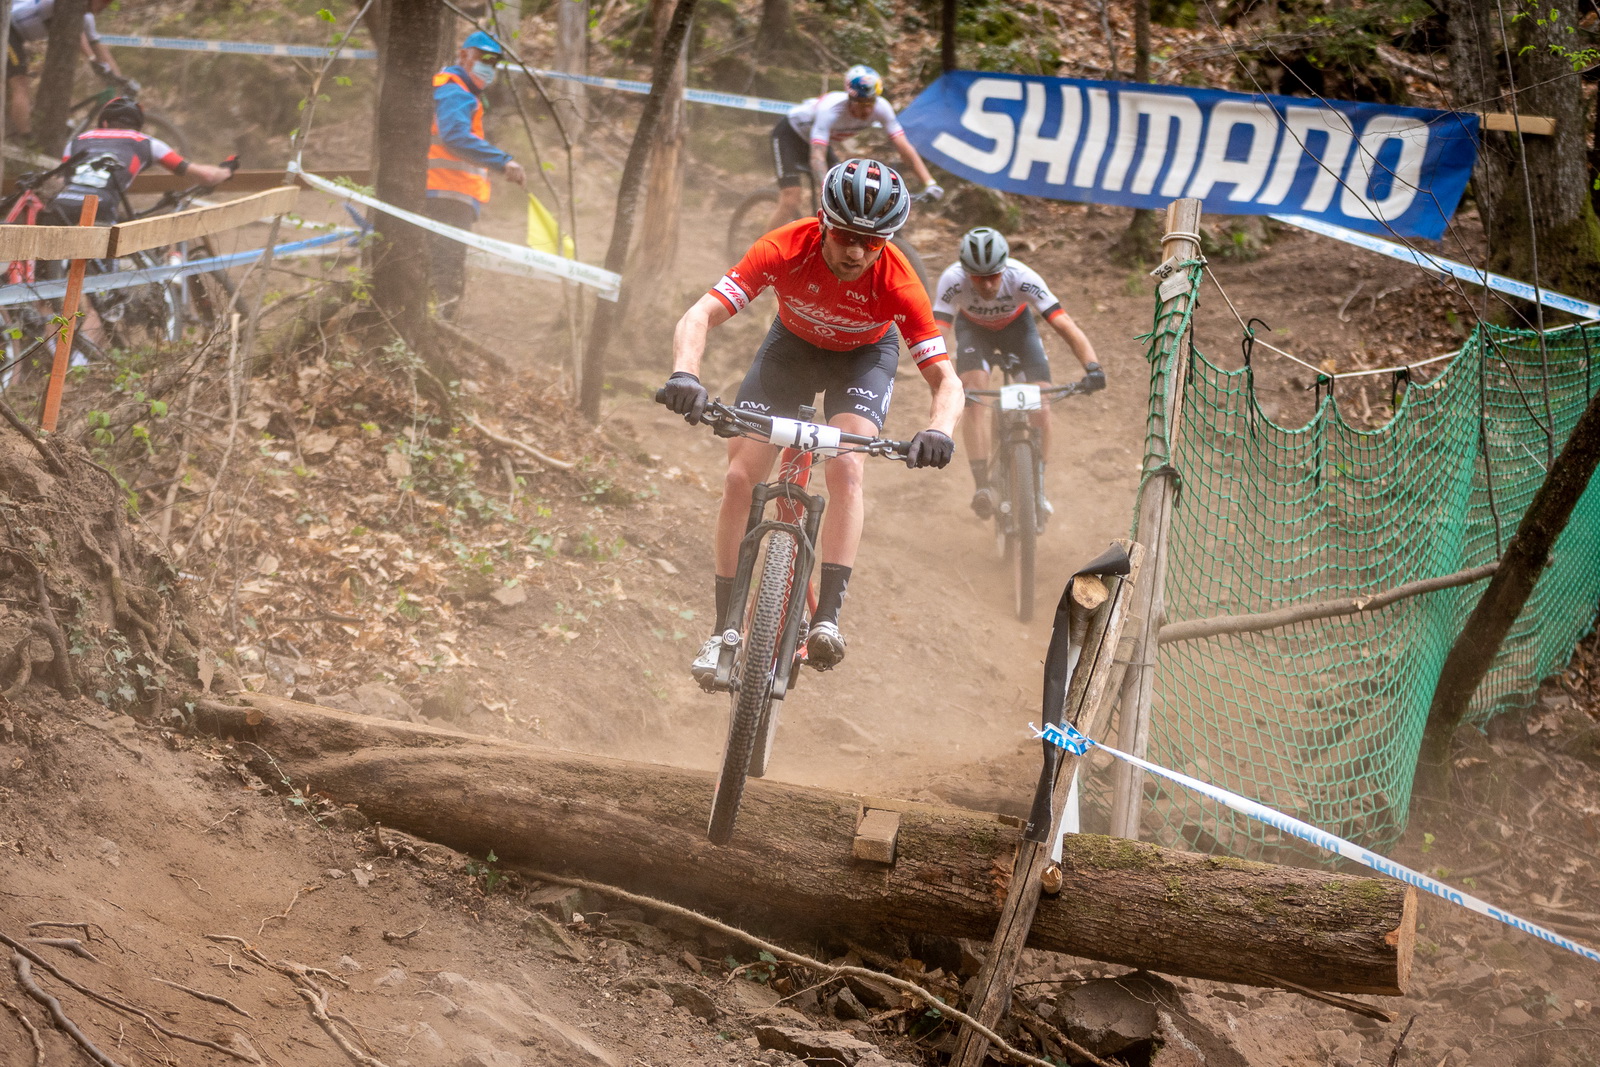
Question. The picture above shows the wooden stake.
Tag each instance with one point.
(1156, 499)
(69, 326)
(1095, 632)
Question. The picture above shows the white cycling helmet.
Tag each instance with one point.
(984, 251)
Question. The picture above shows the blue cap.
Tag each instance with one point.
(483, 43)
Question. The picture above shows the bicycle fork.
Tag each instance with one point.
(805, 512)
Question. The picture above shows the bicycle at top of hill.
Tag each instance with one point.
(760, 661)
(751, 216)
(1016, 471)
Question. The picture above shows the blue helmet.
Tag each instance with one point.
(483, 43)
(862, 82)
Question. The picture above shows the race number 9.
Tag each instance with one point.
(806, 436)
(1020, 398)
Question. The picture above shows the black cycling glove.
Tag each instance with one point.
(684, 395)
(930, 448)
(1094, 379)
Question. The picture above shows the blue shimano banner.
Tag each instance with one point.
(1376, 168)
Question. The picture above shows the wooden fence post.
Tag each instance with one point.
(1078, 672)
(1156, 499)
(69, 325)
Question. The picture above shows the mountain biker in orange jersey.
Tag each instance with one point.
(30, 22)
(845, 300)
(984, 304)
(828, 118)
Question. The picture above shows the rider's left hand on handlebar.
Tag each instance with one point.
(684, 395)
(930, 448)
(1094, 379)
(934, 191)
(231, 164)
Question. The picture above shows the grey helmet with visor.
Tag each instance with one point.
(866, 196)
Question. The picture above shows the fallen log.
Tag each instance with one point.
(642, 827)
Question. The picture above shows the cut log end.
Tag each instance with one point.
(1089, 592)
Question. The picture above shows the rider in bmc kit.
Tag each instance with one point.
(828, 118)
(845, 299)
(989, 297)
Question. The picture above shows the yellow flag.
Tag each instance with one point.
(543, 230)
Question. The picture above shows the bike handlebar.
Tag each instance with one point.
(726, 421)
(1051, 393)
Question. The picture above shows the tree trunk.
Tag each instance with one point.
(658, 244)
(1554, 240)
(642, 827)
(54, 100)
(605, 317)
(947, 35)
(403, 125)
(1476, 647)
(1476, 52)
(572, 57)
(1133, 247)
(775, 32)
(375, 17)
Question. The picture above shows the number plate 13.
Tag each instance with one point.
(806, 436)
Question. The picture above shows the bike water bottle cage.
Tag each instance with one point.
(866, 196)
(862, 82)
(984, 252)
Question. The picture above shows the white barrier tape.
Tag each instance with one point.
(605, 282)
(694, 96)
(24, 293)
(1498, 282)
(247, 48)
(1065, 736)
(190, 44)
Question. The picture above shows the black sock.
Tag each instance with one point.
(724, 594)
(830, 592)
(980, 472)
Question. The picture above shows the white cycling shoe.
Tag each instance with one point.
(704, 668)
(824, 646)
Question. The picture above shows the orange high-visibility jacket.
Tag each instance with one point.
(448, 174)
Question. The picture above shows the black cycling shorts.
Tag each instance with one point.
(790, 371)
(980, 348)
(791, 155)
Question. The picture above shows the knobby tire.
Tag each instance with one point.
(1024, 525)
(752, 695)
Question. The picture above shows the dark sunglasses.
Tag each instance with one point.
(870, 242)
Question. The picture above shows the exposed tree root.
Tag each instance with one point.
(33, 1031)
(67, 944)
(115, 1002)
(316, 997)
(209, 998)
(53, 461)
(57, 1013)
(999, 1043)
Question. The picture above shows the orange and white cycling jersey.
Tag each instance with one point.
(832, 314)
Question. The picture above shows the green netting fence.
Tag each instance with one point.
(1323, 719)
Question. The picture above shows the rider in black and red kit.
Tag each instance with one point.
(119, 136)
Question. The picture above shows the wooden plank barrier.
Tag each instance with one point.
(160, 230)
(53, 242)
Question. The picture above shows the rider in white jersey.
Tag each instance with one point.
(802, 140)
(984, 303)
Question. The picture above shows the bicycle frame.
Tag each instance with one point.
(800, 514)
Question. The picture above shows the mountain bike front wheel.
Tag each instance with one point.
(1024, 533)
(751, 722)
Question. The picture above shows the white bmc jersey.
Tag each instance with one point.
(1020, 288)
(827, 118)
(30, 20)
